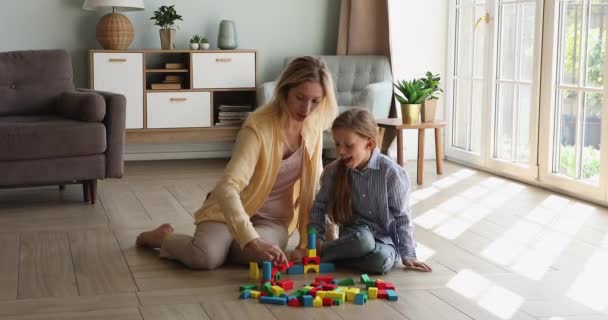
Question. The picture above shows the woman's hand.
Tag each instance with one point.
(264, 250)
(414, 264)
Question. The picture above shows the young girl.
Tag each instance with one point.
(367, 194)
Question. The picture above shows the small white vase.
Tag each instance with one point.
(194, 45)
(205, 46)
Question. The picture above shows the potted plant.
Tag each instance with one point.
(429, 106)
(204, 44)
(411, 95)
(194, 42)
(165, 17)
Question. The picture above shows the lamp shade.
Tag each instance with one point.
(122, 5)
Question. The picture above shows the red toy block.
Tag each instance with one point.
(285, 284)
(316, 284)
(294, 303)
(385, 285)
(328, 302)
(262, 294)
(390, 286)
(382, 294)
(313, 292)
(308, 260)
(326, 279)
(329, 287)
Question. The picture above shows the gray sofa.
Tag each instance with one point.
(360, 81)
(52, 133)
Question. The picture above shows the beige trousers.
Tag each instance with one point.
(212, 244)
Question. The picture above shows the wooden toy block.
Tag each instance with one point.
(343, 289)
(372, 292)
(266, 288)
(320, 293)
(317, 284)
(317, 302)
(296, 269)
(360, 298)
(370, 284)
(338, 302)
(385, 285)
(254, 271)
(312, 238)
(326, 267)
(266, 271)
(335, 295)
(294, 303)
(313, 267)
(329, 287)
(392, 295)
(325, 279)
(303, 291)
(248, 286)
(255, 294)
(307, 300)
(350, 295)
(364, 278)
(390, 286)
(273, 300)
(334, 281)
(382, 294)
(276, 291)
(328, 302)
(311, 253)
(245, 294)
(311, 260)
(285, 284)
(346, 282)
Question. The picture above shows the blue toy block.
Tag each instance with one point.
(307, 300)
(391, 295)
(334, 282)
(266, 271)
(296, 269)
(360, 298)
(327, 267)
(273, 300)
(312, 241)
(245, 294)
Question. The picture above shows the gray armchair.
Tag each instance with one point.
(52, 133)
(360, 81)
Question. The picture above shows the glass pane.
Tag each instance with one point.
(567, 127)
(508, 32)
(461, 113)
(592, 137)
(504, 122)
(596, 38)
(479, 49)
(571, 42)
(476, 114)
(464, 41)
(523, 124)
(526, 51)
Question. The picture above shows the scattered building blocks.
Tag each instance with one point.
(346, 282)
(317, 302)
(255, 294)
(372, 293)
(273, 300)
(360, 298)
(254, 271)
(350, 295)
(248, 286)
(314, 267)
(276, 291)
(245, 294)
(296, 269)
(307, 300)
(392, 295)
(285, 284)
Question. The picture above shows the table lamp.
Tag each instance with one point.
(114, 31)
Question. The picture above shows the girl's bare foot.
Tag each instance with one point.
(154, 238)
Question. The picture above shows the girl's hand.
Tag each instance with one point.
(263, 250)
(414, 264)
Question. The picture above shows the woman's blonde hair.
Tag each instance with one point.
(301, 70)
(361, 122)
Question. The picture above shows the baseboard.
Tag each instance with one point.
(137, 152)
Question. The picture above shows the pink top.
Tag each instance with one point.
(279, 204)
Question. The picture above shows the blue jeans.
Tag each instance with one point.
(357, 248)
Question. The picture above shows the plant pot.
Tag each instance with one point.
(167, 39)
(410, 113)
(194, 45)
(429, 110)
(205, 45)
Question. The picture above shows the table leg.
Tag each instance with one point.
(400, 147)
(439, 150)
(420, 155)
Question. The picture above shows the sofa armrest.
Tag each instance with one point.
(114, 120)
(81, 106)
(266, 92)
(377, 98)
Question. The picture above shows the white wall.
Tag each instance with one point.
(418, 35)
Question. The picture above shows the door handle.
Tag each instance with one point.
(485, 18)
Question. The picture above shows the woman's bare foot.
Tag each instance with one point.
(154, 238)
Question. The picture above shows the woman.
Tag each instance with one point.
(269, 184)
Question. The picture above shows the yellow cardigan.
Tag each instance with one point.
(250, 175)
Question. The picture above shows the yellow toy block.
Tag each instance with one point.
(335, 295)
(307, 287)
(255, 294)
(352, 292)
(312, 253)
(309, 267)
(343, 289)
(321, 293)
(276, 291)
(254, 271)
(317, 302)
(372, 293)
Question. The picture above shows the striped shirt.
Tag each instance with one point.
(380, 199)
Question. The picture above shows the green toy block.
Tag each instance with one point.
(346, 282)
(364, 278)
(370, 283)
(266, 287)
(312, 230)
(278, 276)
(248, 287)
(338, 302)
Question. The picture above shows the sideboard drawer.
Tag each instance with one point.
(223, 70)
(179, 109)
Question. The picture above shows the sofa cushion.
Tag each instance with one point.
(41, 137)
(31, 81)
(82, 106)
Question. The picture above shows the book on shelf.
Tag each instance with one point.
(173, 78)
(232, 115)
(235, 108)
(224, 124)
(166, 86)
(171, 65)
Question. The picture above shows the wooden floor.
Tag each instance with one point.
(499, 249)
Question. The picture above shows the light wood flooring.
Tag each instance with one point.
(499, 249)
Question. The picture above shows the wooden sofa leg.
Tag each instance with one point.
(85, 190)
(61, 187)
(93, 190)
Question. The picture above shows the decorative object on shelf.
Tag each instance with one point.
(165, 18)
(114, 31)
(411, 95)
(226, 39)
(195, 42)
(429, 106)
(204, 44)
(233, 116)
(173, 65)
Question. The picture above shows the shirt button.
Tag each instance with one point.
(363, 195)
